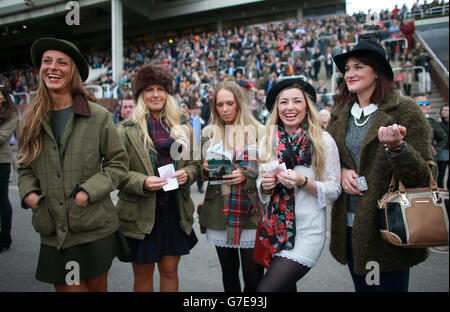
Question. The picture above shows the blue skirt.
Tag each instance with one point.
(166, 239)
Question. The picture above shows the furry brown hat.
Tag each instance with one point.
(152, 74)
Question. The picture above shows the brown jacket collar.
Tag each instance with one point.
(81, 105)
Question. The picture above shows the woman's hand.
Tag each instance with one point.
(235, 177)
(31, 200)
(181, 176)
(268, 181)
(348, 182)
(154, 183)
(205, 165)
(290, 178)
(82, 199)
(392, 136)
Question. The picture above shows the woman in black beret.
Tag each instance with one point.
(294, 223)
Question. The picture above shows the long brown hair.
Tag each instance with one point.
(30, 125)
(7, 108)
(383, 89)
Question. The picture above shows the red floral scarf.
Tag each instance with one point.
(278, 226)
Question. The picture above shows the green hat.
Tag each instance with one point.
(43, 44)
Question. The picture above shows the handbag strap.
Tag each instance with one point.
(432, 183)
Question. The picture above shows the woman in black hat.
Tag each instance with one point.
(70, 159)
(378, 132)
(294, 223)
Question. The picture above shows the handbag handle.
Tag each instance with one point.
(432, 183)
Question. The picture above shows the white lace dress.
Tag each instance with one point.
(310, 214)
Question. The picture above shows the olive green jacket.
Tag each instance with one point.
(137, 205)
(211, 215)
(6, 131)
(90, 158)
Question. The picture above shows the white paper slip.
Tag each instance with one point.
(270, 167)
(166, 172)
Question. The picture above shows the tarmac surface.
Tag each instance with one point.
(199, 271)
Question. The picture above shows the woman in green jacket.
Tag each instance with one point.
(228, 208)
(157, 223)
(70, 159)
(8, 124)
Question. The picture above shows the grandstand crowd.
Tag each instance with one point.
(254, 56)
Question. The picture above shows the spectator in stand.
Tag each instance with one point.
(438, 137)
(317, 59)
(329, 62)
(407, 28)
(443, 156)
(423, 59)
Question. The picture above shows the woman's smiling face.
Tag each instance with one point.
(292, 108)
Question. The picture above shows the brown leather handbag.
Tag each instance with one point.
(415, 217)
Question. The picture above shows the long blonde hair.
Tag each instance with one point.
(245, 122)
(29, 132)
(315, 132)
(171, 113)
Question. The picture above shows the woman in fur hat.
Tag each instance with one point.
(157, 223)
(70, 159)
(378, 133)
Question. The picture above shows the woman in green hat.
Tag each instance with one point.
(70, 159)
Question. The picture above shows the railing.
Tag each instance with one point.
(397, 39)
(433, 55)
(438, 10)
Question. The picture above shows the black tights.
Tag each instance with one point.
(282, 275)
(251, 271)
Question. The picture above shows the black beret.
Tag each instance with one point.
(283, 84)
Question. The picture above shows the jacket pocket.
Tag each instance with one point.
(42, 220)
(128, 205)
(86, 218)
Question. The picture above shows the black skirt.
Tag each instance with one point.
(166, 239)
(93, 259)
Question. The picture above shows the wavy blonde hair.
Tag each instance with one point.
(29, 131)
(315, 132)
(171, 113)
(246, 127)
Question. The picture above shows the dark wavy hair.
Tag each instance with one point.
(382, 90)
(7, 107)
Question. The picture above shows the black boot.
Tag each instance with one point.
(5, 243)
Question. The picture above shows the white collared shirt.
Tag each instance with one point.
(357, 111)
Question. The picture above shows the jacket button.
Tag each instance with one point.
(63, 228)
(58, 175)
(61, 202)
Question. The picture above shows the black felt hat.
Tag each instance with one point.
(366, 47)
(44, 44)
(283, 84)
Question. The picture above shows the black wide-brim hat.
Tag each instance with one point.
(44, 44)
(366, 47)
(285, 83)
